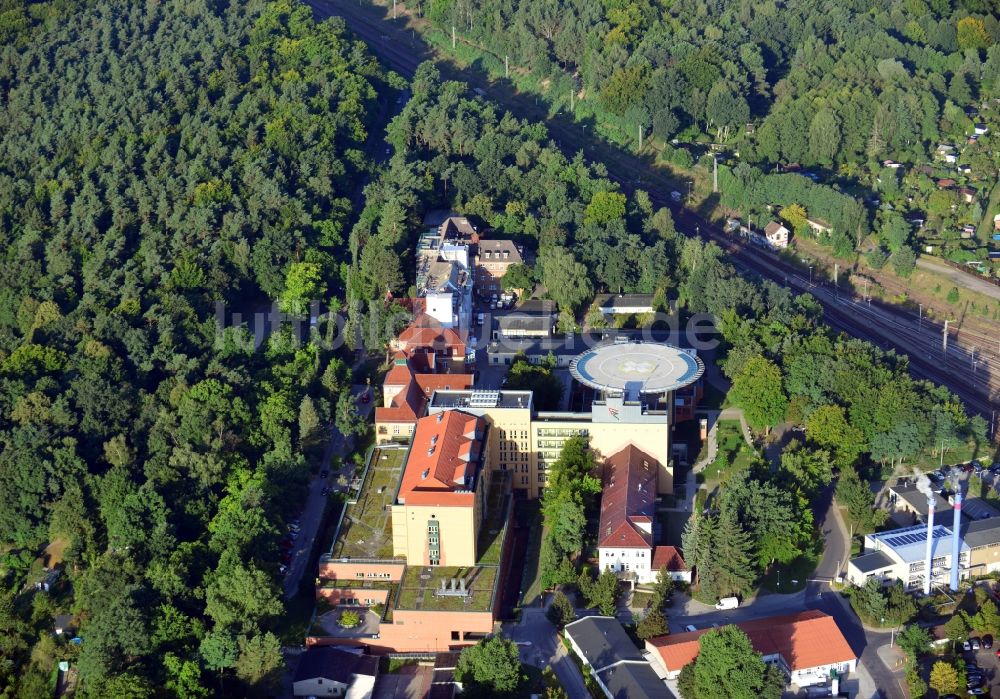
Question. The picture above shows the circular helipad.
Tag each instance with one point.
(637, 367)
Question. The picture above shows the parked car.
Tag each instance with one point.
(690, 627)
(325, 491)
(727, 603)
(976, 645)
(324, 473)
(966, 645)
(987, 641)
(282, 569)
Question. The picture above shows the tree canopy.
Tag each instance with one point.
(157, 161)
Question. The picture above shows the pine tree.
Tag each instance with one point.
(309, 432)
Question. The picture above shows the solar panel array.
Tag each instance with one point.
(484, 399)
(914, 538)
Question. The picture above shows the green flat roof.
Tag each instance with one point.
(420, 585)
(366, 529)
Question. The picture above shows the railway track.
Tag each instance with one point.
(977, 383)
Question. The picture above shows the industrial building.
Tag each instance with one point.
(933, 554)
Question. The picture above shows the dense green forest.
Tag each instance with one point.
(841, 88)
(830, 81)
(156, 158)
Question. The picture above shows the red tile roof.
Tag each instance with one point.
(668, 557)
(443, 382)
(411, 401)
(629, 499)
(426, 333)
(804, 640)
(440, 468)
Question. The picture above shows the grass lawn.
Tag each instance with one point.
(734, 454)
(641, 600)
(494, 526)
(792, 577)
(531, 581)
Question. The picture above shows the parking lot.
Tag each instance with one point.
(983, 662)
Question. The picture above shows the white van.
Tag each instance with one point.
(727, 603)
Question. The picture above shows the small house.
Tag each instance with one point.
(326, 671)
(981, 129)
(891, 164)
(946, 153)
(946, 183)
(996, 222)
(63, 624)
(776, 235)
(819, 226)
(968, 194)
(965, 169)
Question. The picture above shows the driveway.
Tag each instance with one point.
(315, 505)
(836, 541)
(546, 650)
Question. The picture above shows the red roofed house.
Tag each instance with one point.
(807, 646)
(444, 348)
(405, 393)
(670, 558)
(628, 506)
(439, 506)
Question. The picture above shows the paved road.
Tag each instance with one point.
(960, 278)
(546, 650)
(312, 513)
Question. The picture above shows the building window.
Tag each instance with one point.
(524, 480)
(434, 541)
(456, 635)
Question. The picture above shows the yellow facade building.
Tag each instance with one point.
(526, 443)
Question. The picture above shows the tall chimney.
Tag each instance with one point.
(930, 545)
(956, 541)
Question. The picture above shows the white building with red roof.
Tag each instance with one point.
(808, 646)
(626, 540)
